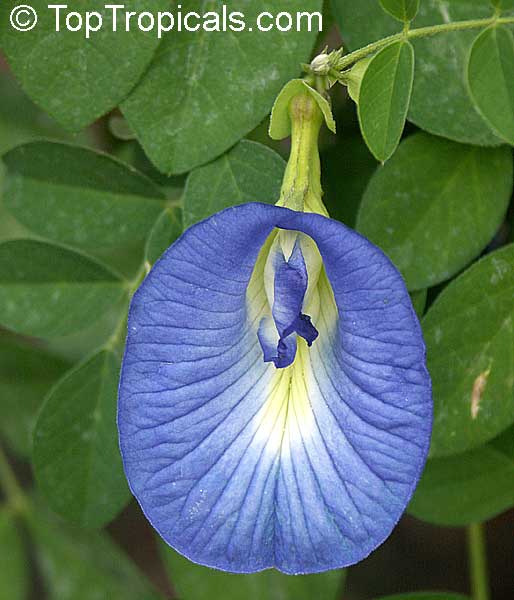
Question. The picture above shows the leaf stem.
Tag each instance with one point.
(420, 32)
(16, 499)
(478, 561)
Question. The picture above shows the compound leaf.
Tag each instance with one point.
(440, 102)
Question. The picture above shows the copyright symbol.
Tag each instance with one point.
(23, 17)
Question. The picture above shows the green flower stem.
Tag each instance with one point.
(421, 32)
(15, 497)
(478, 562)
(301, 189)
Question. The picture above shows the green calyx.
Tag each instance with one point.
(299, 112)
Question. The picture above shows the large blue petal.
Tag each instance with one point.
(242, 466)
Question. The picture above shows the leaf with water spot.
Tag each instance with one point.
(469, 332)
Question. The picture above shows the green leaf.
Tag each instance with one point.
(503, 4)
(77, 564)
(347, 168)
(15, 579)
(425, 596)
(26, 375)
(76, 79)
(20, 120)
(436, 205)
(353, 78)
(280, 123)
(466, 488)
(469, 332)
(419, 301)
(440, 102)
(193, 582)
(76, 458)
(490, 78)
(166, 230)
(215, 87)
(250, 172)
(384, 98)
(90, 200)
(403, 10)
(49, 291)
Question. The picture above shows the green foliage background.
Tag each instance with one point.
(106, 161)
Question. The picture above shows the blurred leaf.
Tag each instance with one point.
(491, 76)
(14, 579)
(84, 565)
(470, 341)
(215, 88)
(21, 120)
(73, 78)
(26, 375)
(466, 488)
(384, 98)
(436, 205)
(440, 101)
(48, 290)
(503, 4)
(280, 121)
(194, 582)
(403, 10)
(165, 231)
(347, 169)
(76, 458)
(425, 596)
(80, 197)
(419, 301)
(250, 172)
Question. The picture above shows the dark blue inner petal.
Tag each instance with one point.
(290, 285)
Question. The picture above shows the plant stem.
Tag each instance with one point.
(420, 32)
(478, 562)
(15, 497)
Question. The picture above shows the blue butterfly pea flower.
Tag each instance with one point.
(274, 404)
